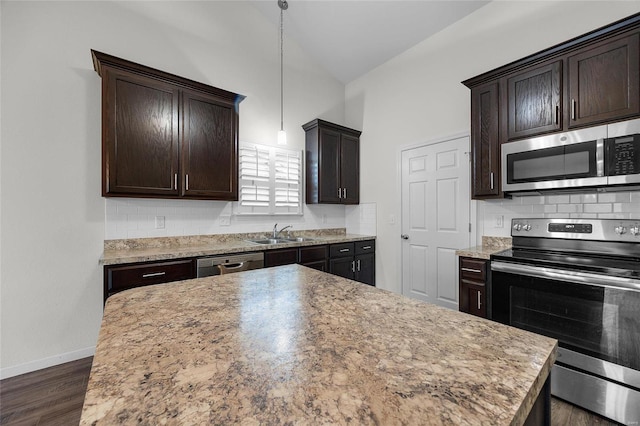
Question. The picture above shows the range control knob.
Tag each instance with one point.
(517, 226)
(526, 227)
(620, 230)
(635, 230)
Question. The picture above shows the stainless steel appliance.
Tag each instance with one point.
(578, 281)
(604, 158)
(228, 264)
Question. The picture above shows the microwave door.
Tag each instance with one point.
(557, 161)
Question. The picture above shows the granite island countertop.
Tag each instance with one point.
(167, 248)
(294, 345)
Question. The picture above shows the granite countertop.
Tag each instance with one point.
(294, 345)
(166, 248)
(490, 245)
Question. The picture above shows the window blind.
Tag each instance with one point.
(270, 181)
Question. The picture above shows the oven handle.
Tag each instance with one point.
(568, 276)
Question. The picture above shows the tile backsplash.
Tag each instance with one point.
(494, 216)
(142, 218)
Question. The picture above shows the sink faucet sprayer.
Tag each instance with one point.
(276, 232)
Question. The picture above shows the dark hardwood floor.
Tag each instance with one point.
(54, 396)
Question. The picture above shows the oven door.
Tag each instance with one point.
(596, 320)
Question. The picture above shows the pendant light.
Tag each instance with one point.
(282, 135)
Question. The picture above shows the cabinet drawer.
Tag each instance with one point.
(120, 278)
(473, 269)
(341, 250)
(364, 247)
(312, 254)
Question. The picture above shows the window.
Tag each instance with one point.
(270, 181)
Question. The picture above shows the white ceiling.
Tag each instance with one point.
(351, 37)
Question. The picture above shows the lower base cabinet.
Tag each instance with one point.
(355, 261)
(122, 277)
(473, 286)
(314, 257)
(279, 257)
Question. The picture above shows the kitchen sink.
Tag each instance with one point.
(281, 240)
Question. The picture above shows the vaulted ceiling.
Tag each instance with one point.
(349, 38)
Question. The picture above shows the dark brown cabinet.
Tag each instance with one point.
(604, 82)
(165, 136)
(314, 257)
(332, 163)
(592, 79)
(355, 261)
(122, 277)
(278, 257)
(472, 286)
(485, 142)
(534, 101)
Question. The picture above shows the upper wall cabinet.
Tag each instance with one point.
(604, 80)
(332, 163)
(592, 79)
(534, 101)
(165, 136)
(485, 146)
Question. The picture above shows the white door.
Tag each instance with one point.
(435, 219)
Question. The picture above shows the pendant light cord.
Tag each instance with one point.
(281, 68)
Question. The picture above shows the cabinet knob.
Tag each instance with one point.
(404, 236)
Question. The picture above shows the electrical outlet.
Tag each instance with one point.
(499, 221)
(159, 222)
(324, 218)
(224, 220)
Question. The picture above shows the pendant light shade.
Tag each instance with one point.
(282, 135)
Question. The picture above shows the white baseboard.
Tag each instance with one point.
(46, 362)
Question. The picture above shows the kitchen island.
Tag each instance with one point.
(295, 345)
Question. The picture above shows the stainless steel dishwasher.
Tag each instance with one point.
(228, 264)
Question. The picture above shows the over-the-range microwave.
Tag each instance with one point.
(601, 158)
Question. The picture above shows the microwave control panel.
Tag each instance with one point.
(623, 155)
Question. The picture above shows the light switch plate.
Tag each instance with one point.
(499, 221)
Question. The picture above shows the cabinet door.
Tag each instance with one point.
(350, 169)
(140, 135)
(534, 101)
(209, 148)
(366, 269)
(472, 298)
(279, 257)
(329, 166)
(603, 82)
(485, 141)
(342, 266)
(314, 257)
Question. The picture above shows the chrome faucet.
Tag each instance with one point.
(275, 233)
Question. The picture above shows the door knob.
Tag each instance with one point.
(404, 236)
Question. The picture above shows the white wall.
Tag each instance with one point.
(53, 218)
(417, 96)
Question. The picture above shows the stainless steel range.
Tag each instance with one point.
(578, 281)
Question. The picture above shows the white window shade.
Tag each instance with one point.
(270, 181)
